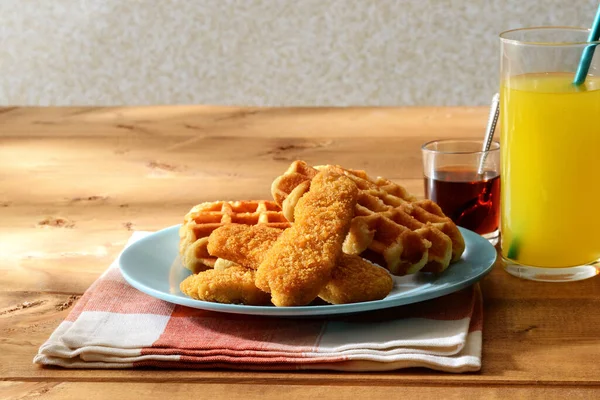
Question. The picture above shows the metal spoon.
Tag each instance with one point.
(478, 208)
(489, 131)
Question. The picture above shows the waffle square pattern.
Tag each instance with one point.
(204, 218)
(390, 226)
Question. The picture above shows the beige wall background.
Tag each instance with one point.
(262, 52)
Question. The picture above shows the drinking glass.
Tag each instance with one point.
(465, 183)
(550, 135)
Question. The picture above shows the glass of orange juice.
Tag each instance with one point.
(550, 169)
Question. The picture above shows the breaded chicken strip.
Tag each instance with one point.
(245, 245)
(302, 259)
(233, 285)
(353, 279)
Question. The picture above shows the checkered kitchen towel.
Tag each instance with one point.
(115, 326)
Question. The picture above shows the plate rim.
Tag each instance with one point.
(299, 311)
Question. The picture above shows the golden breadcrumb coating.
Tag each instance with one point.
(302, 259)
(356, 280)
(233, 285)
(353, 279)
(391, 227)
(242, 244)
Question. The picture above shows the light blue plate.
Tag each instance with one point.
(152, 266)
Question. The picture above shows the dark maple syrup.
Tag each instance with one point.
(470, 199)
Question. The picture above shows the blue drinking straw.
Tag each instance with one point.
(588, 53)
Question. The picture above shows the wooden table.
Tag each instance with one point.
(74, 183)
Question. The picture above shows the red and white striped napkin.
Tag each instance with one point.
(115, 326)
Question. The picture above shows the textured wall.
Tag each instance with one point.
(262, 52)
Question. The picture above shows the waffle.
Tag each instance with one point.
(390, 226)
(204, 218)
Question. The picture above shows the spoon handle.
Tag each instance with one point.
(489, 131)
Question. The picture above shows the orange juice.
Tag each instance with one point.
(550, 170)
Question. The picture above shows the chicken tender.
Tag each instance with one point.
(353, 279)
(356, 280)
(234, 285)
(301, 261)
(245, 245)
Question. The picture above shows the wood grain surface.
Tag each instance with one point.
(74, 183)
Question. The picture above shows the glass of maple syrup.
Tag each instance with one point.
(465, 182)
